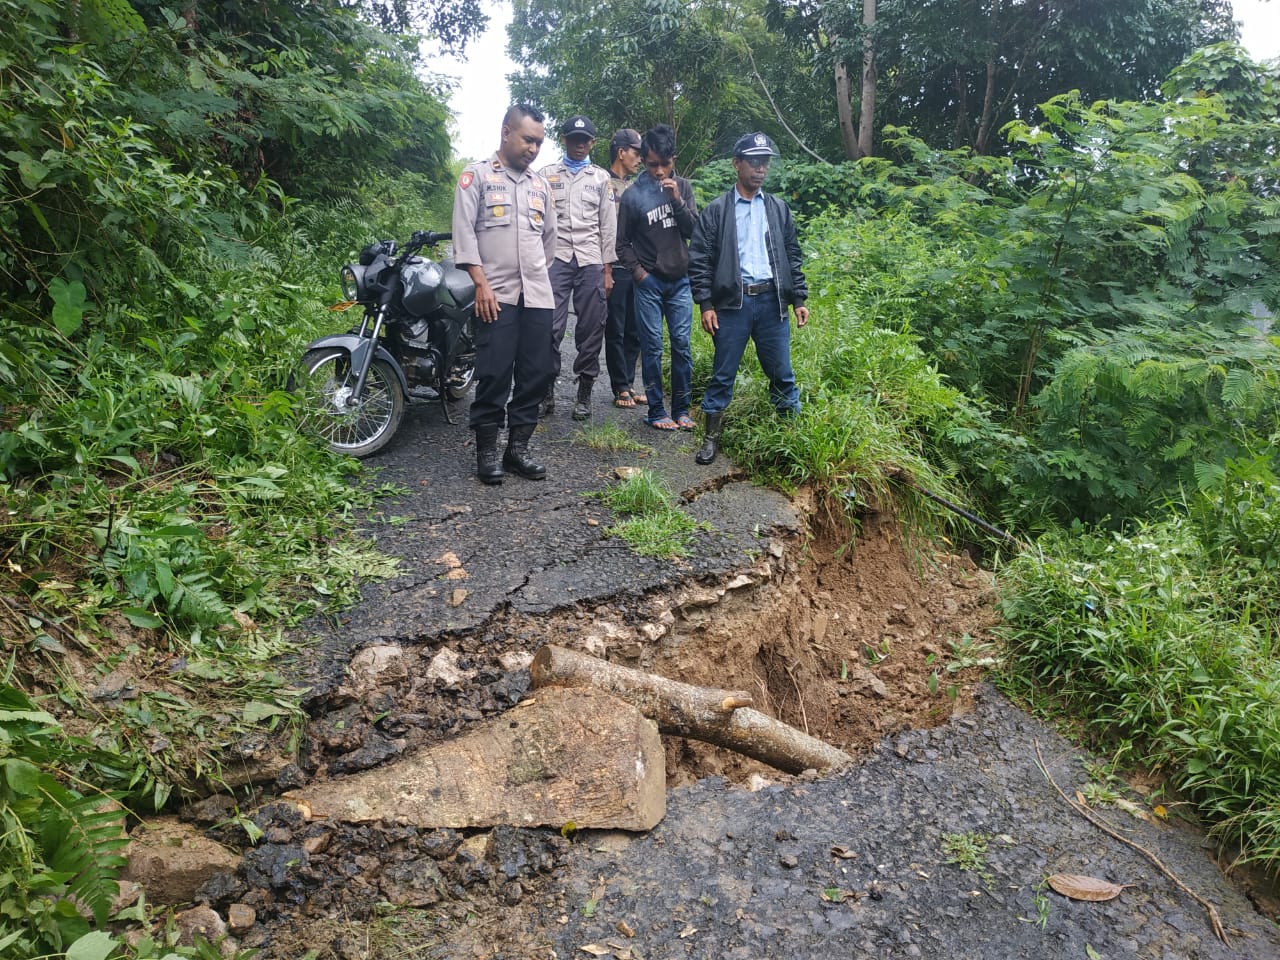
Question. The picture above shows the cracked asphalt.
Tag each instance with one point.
(468, 550)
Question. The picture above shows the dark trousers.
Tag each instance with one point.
(585, 284)
(621, 337)
(513, 360)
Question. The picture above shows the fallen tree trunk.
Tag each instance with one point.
(720, 717)
(564, 756)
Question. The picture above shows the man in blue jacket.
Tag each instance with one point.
(744, 271)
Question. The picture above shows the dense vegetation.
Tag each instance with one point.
(953, 71)
(1071, 343)
(159, 265)
(1060, 335)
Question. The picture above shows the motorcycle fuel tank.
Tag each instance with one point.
(422, 281)
(459, 284)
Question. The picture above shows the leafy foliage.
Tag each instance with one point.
(1166, 648)
(57, 844)
(640, 62)
(164, 518)
(955, 71)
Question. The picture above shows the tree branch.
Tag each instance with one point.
(776, 112)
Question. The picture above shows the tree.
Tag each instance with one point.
(955, 71)
(635, 63)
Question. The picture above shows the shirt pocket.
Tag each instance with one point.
(560, 197)
(497, 209)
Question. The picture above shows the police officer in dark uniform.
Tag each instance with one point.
(504, 236)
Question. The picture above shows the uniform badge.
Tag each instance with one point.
(466, 179)
(499, 211)
(537, 218)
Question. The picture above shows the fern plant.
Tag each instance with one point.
(60, 847)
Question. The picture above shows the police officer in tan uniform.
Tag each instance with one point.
(504, 236)
(586, 227)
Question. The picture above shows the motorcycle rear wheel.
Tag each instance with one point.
(324, 382)
(462, 376)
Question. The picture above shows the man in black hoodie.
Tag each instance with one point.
(655, 222)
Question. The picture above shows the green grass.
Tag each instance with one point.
(610, 438)
(968, 851)
(654, 525)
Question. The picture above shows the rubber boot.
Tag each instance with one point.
(488, 469)
(711, 443)
(517, 458)
(582, 407)
(548, 406)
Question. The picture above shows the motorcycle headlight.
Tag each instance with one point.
(350, 284)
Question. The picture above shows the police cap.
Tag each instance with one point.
(578, 126)
(755, 145)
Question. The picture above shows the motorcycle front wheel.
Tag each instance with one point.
(357, 428)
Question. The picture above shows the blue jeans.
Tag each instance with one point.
(758, 320)
(656, 298)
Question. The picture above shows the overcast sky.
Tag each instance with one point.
(482, 95)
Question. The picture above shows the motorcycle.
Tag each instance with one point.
(416, 331)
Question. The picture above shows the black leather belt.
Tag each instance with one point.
(755, 289)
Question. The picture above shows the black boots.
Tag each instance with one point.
(517, 458)
(582, 407)
(488, 469)
(548, 405)
(711, 445)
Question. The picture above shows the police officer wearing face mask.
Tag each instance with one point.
(582, 272)
(504, 236)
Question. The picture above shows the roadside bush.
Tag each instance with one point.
(1165, 648)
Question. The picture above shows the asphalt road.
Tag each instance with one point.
(533, 546)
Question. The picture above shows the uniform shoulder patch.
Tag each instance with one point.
(466, 179)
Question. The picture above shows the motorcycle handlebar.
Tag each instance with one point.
(424, 238)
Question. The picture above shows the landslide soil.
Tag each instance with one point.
(873, 647)
(849, 644)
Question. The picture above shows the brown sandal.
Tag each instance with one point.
(623, 398)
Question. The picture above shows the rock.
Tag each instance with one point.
(274, 865)
(170, 860)
(376, 749)
(199, 921)
(514, 660)
(652, 631)
(127, 897)
(258, 758)
(378, 659)
(444, 667)
(291, 777)
(215, 809)
(414, 883)
(567, 755)
(240, 918)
